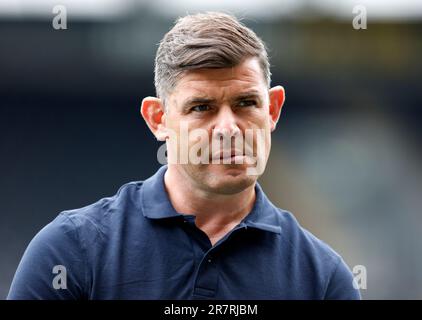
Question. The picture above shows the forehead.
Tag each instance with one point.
(246, 76)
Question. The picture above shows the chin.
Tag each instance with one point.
(229, 179)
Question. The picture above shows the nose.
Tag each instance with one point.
(226, 125)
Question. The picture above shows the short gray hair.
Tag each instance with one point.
(205, 40)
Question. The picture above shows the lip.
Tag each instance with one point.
(221, 155)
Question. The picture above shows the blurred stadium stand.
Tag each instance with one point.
(346, 155)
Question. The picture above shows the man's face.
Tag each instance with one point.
(225, 103)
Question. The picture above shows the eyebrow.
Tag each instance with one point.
(204, 100)
(248, 95)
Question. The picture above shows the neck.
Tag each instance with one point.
(216, 214)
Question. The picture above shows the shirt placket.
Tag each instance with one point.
(206, 278)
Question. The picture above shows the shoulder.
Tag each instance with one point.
(96, 217)
(318, 258)
(299, 237)
(74, 239)
(77, 234)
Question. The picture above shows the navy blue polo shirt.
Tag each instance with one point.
(134, 245)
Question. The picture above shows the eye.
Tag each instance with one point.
(200, 108)
(247, 103)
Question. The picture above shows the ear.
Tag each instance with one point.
(152, 110)
(277, 97)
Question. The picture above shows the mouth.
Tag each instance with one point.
(228, 156)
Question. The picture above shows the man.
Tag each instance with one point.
(201, 228)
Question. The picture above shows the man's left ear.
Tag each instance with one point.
(277, 97)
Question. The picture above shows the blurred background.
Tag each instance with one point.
(346, 155)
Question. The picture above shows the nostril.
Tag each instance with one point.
(221, 133)
(235, 132)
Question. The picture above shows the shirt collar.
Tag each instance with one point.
(156, 204)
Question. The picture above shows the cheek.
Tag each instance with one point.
(194, 133)
(171, 122)
(257, 121)
(261, 125)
